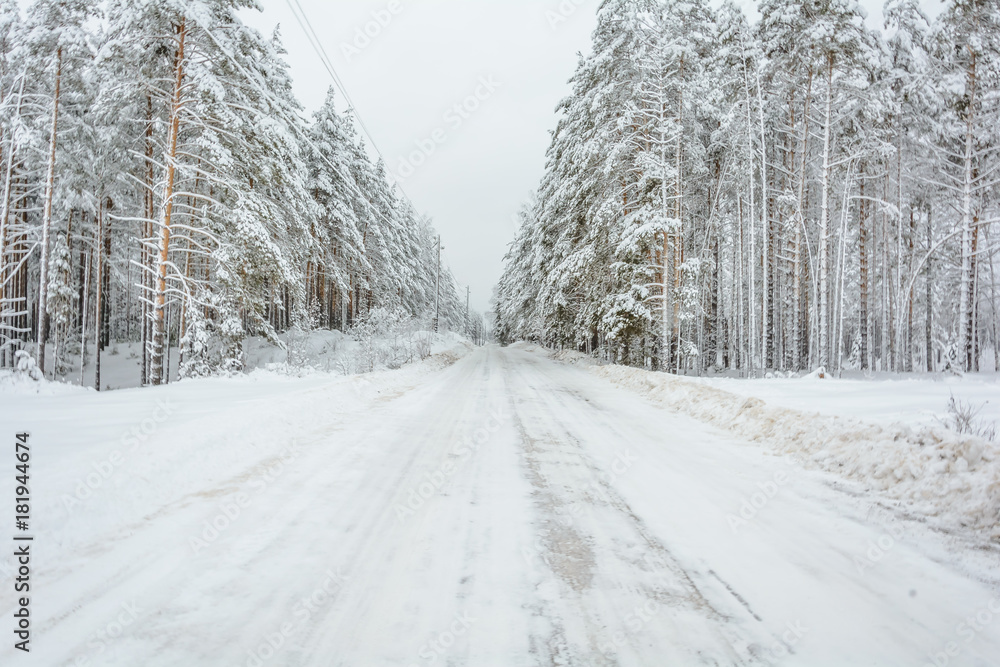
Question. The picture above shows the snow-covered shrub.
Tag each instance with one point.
(396, 352)
(212, 347)
(422, 345)
(197, 345)
(60, 300)
(963, 418)
(374, 328)
(297, 347)
(343, 362)
(231, 336)
(25, 367)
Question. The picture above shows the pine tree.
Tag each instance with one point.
(54, 39)
(968, 58)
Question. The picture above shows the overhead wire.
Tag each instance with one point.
(317, 44)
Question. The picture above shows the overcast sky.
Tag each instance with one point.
(506, 61)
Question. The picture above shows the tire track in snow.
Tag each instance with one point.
(614, 541)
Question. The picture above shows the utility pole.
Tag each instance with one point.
(437, 292)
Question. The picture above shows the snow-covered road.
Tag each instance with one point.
(509, 510)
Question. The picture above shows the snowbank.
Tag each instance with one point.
(915, 400)
(950, 480)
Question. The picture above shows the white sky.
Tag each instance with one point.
(431, 56)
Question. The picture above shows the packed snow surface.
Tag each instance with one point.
(486, 508)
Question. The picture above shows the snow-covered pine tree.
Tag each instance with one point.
(967, 64)
(55, 45)
(339, 246)
(60, 301)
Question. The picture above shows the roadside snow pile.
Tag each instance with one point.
(953, 480)
(915, 400)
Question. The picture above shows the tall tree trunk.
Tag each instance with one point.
(929, 319)
(864, 322)
(993, 303)
(667, 307)
(160, 295)
(966, 284)
(50, 182)
(106, 274)
(824, 225)
(83, 316)
(974, 365)
(799, 321)
(145, 257)
(908, 359)
(678, 254)
(767, 352)
(99, 300)
(6, 354)
(752, 233)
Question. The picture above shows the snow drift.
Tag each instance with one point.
(951, 480)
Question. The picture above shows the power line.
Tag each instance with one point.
(346, 178)
(317, 45)
(328, 64)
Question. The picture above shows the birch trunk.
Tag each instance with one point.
(824, 226)
(863, 325)
(83, 318)
(929, 319)
(766, 356)
(145, 256)
(966, 284)
(798, 319)
(99, 300)
(50, 180)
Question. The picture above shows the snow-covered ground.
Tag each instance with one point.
(917, 401)
(300, 353)
(481, 508)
